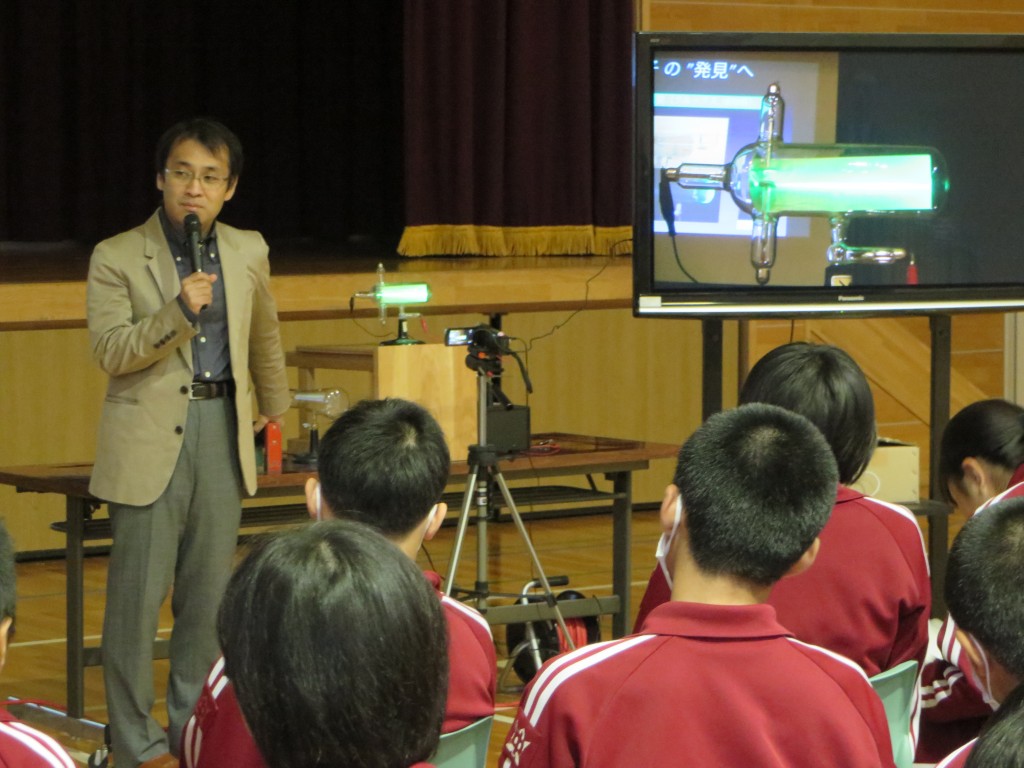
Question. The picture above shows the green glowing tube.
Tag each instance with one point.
(401, 293)
(795, 179)
(868, 183)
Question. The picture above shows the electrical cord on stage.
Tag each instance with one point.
(351, 309)
(586, 299)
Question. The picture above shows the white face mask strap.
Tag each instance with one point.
(986, 684)
(665, 542)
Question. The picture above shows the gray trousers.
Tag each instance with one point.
(186, 539)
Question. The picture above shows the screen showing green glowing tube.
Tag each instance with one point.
(874, 183)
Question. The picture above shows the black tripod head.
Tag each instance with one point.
(486, 347)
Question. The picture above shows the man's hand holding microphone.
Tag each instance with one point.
(197, 288)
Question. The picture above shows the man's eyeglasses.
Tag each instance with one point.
(184, 178)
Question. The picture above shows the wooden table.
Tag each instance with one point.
(575, 455)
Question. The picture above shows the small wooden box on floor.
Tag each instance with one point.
(433, 375)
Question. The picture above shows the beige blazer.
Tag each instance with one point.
(141, 338)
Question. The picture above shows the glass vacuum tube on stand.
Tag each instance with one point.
(395, 295)
(314, 405)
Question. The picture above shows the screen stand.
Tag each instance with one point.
(940, 394)
(938, 535)
(711, 386)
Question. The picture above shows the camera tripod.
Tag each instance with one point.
(483, 470)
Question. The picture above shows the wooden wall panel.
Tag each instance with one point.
(608, 373)
(895, 355)
(49, 405)
(603, 372)
(908, 16)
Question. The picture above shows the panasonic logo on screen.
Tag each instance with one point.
(850, 298)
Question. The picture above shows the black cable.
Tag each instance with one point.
(667, 204)
(679, 263)
(586, 298)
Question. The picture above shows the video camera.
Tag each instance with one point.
(481, 339)
(486, 346)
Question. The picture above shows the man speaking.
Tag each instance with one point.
(188, 332)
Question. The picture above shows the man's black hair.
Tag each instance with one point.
(1001, 743)
(384, 463)
(984, 581)
(758, 484)
(211, 133)
(337, 648)
(825, 385)
(992, 430)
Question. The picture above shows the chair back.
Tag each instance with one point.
(465, 748)
(897, 688)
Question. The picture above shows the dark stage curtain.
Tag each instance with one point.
(312, 87)
(517, 126)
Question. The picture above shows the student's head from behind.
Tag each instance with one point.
(984, 579)
(384, 463)
(1001, 744)
(8, 591)
(981, 448)
(336, 646)
(757, 485)
(823, 384)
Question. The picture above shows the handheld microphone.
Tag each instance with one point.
(192, 235)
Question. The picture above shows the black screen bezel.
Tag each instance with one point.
(650, 300)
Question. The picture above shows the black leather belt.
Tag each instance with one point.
(207, 390)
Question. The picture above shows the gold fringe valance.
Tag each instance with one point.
(479, 240)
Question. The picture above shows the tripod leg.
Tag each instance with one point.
(460, 534)
(548, 594)
(482, 586)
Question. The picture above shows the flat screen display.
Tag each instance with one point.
(935, 225)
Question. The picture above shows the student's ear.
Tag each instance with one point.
(806, 559)
(976, 481)
(312, 492)
(668, 507)
(5, 629)
(440, 510)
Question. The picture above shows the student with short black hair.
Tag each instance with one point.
(981, 460)
(20, 744)
(984, 573)
(336, 647)
(869, 594)
(712, 678)
(383, 463)
(1001, 744)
